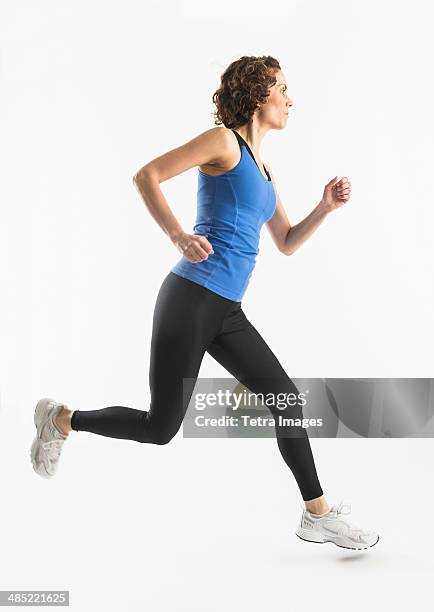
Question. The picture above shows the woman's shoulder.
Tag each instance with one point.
(219, 136)
(225, 149)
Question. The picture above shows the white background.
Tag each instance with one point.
(90, 92)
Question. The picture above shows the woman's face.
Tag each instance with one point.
(275, 111)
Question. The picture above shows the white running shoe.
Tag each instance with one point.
(332, 527)
(47, 445)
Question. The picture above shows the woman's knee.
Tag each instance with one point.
(159, 436)
(163, 437)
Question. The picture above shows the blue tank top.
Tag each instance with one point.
(231, 210)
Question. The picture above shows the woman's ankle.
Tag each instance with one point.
(62, 420)
(318, 505)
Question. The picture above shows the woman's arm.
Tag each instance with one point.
(207, 148)
(289, 238)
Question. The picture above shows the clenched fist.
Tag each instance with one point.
(194, 247)
(336, 193)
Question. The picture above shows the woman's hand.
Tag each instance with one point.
(336, 193)
(194, 247)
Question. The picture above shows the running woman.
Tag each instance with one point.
(198, 308)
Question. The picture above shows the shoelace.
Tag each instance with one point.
(53, 448)
(343, 509)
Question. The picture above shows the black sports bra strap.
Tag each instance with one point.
(241, 141)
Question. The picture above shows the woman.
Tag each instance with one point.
(198, 307)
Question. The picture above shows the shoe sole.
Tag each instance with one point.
(40, 412)
(338, 545)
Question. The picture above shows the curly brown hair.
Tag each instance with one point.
(244, 85)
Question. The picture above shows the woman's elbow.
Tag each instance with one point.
(142, 175)
(285, 251)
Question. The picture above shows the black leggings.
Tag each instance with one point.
(189, 320)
